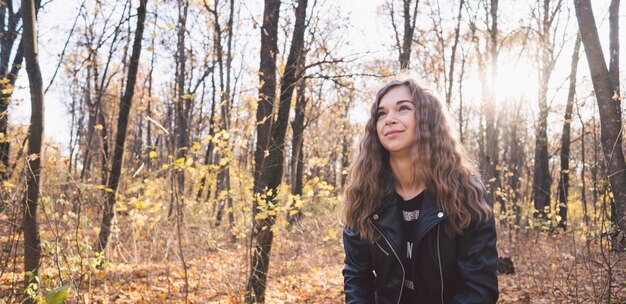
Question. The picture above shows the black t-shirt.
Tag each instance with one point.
(410, 214)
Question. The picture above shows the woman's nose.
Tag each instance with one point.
(390, 119)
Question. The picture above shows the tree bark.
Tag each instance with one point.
(9, 77)
(565, 138)
(541, 178)
(255, 290)
(610, 112)
(489, 129)
(183, 105)
(32, 242)
(271, 170)
(457, 35)
(294, 215)
(120, 137)
(614, 45)
(404, 46)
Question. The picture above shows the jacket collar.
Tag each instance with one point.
(387, 218)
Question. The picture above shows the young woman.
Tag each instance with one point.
(419, 225)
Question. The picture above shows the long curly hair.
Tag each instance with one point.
(438, 160)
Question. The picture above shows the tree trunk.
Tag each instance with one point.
(457, 35)
(7, 40)
(120, 137)
(489, 150)
(223, 180)
(610, 112)
(404, 46)
(294, 215)
(583, 160)
(614, 45)
(541, 178)
(255, 290)
(565, 139)
(271, 170)
(182, 109)
(32, 242)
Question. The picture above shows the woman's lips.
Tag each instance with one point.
(392, 134)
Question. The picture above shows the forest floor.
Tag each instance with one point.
(305, 267)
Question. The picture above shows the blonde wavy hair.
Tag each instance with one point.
(438, 160)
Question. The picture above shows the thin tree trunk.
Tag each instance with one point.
(294, 215)
(614, 46)
(182, 118)
(255, 290)
(489, 150)
(7, 41)
(610, 113)
(271, 171)
(120, 137)
(542, 179)
(32, 242)
(409, 29)
(583, 178)
(404, 46)
(457, 35)
(565, 139)
(210, 145)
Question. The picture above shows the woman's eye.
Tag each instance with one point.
(380, 114)
(404, 108)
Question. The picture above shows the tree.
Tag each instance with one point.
(450, 77)
(8, 77)
(271, 169)
(487, 56)
(610, 113)
(120, 138)
(9, 35)
(255, 290)
(32, 242)
(541, 178)
(404, 45)
(183, 104)
(565, 138)
(297, 158)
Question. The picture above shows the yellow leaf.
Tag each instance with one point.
(153, 154)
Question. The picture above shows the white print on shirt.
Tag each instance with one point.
(409, 284)
(411, 215)
(409, 250)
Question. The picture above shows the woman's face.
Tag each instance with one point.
(396, 121)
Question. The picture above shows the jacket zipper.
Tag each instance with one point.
(439, 259)
(397, 257)
(381, 248)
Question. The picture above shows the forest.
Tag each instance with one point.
(197, 151)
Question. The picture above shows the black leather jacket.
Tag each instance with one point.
(461, 269)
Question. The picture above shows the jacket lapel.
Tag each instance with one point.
(430, 216)
(387, 219)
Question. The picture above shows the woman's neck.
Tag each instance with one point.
(406, 184)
